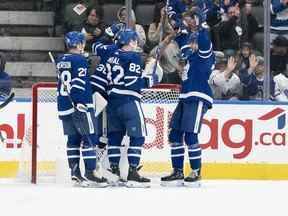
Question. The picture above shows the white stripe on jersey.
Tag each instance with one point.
(90, 123)
(205, 56)
(79, 80)
(198, 117)
(99, 78)
(97, 85)
(206, 51)
(125, 92)
(78, 87)
(66, 112)
(196, 94)
(141, 115)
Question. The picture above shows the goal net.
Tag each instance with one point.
(45, 158)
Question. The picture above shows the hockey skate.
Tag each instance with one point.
(77, 179)
(176, 178)
(134, 180)
(95, 181)
(193, 180)
(117, 180)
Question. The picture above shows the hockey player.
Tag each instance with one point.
(98, 79)
(5, 79)
(176, 8)
(76, 111)
(195, 100)
(124, 110)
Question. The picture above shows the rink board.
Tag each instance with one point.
(239, 140)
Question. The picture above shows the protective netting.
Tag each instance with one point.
(158, 105)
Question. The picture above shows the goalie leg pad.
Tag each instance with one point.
(134, 150)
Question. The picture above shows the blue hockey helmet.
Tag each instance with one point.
(73, 38)
(124, 37)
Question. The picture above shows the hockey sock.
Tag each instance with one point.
(194, 151)
(177, 155)
(177, 149)
(114, 144)
(89, 152)
(134, 151)
(73, 152)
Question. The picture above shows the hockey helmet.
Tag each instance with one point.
(73, 38)
(126, 36)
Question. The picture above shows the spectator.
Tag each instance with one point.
(233, 31)
(160, 22)
(243, 55)
(5, 79)
(279, 18)
(279, 55)
(92, 27)
(224, 82)
(252, 23)
(252, 79)
(169, 59)
(281, 85)
(121, 15)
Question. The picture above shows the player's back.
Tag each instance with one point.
(73, 83)
(99, 77)
(125, 76)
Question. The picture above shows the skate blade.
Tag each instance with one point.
(175, 183)
(98, 185)
(134, 184)
(196, 184)
(80, 184)
(119, 183)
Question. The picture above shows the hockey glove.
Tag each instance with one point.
(80, 119)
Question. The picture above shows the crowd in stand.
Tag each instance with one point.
(234, 29)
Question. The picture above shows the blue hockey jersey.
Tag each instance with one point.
(73, 85)
(5, 84)
(125, 76)
(99, 77)
(279, 16)
(199, 65)
(177, 7)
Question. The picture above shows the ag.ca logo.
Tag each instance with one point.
(276, 137)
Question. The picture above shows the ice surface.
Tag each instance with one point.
(233, 198)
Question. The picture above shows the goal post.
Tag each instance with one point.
(48, 140)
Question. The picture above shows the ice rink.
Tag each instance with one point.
(215, 198)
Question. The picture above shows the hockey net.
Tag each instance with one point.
(45, 156)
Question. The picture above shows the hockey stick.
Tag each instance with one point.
(7, 100)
